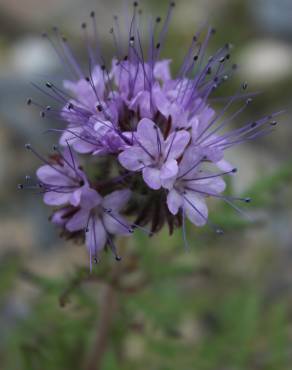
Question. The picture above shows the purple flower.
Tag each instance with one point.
(101, 219)
(62, 180)
(191, 188)
(154, 155)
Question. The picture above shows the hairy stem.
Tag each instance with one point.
(108, 306)
(107, 311)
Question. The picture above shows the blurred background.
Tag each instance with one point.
(224, 305)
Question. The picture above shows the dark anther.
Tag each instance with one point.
(172, 4)
(116, 17)
(253, 125)
(83, 25)
(195, 58)
(216, 79)
(70, 106)
(48, 108)
(55, 147)
(247, 200)
(20, 186)
(273, 123)
(103, 67)
(132, 39)
(55, 28)
(219, 232)
(248, 101)
(234, 66)
(44, 35)
(209, 71)
(195, 38)
(49, 85)
(92, 14)
(135, 4)
(81, 182)
(27, 146)
(158, 45)
(42, 114)
(95, 260)
(87, 79)
(118, 258)
(28, 102)
(244, 85)
(126, 57)
(99, 108)
(222, 60)
(227, 56)
(86, 230)
(213, 31)
(158, 19)
(234, 170)
(111, 30)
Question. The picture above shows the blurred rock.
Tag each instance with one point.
(31, 57)
(266, 61)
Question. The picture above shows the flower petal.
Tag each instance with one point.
(150, 137)
(224, 165)
(142, 102)
(117, 200)
(214, 185)
(59, 217)
(152, 177)
(134, 158)
(52, 198)
(89, 198)
(78, 221)
(161, 102)
(53, 175)
(70, 135)
(168, 173)
(190, 163)
(174, 201)
(116, 224)
(162, 70)
(95, 237)
(195, 208)
(176, 144)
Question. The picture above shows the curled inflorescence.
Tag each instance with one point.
(151, 144)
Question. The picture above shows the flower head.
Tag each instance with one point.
(153, 143)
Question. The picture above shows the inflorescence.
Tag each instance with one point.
(151, 143)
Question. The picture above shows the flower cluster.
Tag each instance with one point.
(151, 143)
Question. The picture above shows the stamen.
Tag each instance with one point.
(127, 227)
(113, 248)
